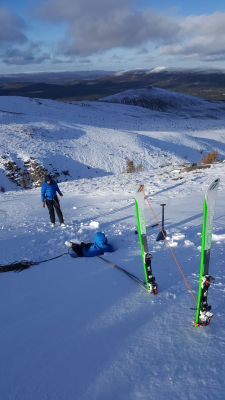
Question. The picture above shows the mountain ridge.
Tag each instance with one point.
(200, 82)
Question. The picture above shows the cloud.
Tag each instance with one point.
(100, 25)
(30, 55)
(200, 38)
(83, 61)
(60, 61)
(116, 57)
(11, 27)
(142, 51)
(97, 26)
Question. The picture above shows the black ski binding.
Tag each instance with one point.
(206, 281)
(152, 284)
(151, 279)
(205, 315)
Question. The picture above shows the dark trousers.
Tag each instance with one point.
(53, 205)
(78, 248)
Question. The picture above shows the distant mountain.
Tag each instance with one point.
(92, 85)
(60, 77)
(202, 82)
(163, 70)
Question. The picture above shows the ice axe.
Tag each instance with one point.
(160, 234)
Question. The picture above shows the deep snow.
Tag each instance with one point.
(79, 328)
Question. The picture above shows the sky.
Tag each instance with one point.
(112, 35)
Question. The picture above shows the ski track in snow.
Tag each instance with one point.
(79, 328)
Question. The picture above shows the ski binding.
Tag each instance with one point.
(151, 279)
(204, 316)
(152, 284)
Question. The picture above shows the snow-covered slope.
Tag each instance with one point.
(163, 100)
(79, 328)
(86, 140)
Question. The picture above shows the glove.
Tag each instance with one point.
(43, 203)
(60, 194)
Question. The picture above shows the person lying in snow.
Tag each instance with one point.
(91, 249)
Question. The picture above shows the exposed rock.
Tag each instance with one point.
(194, 167)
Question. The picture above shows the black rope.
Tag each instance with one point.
(16, 266)
(19, 266)
(134, 278)
(137, 280)
(130, 275)
(53, 258)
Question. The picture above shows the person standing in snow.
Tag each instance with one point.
(49, 196)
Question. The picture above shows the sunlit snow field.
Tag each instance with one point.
(79, 328)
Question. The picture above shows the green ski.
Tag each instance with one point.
(146, 256)
(203, 314)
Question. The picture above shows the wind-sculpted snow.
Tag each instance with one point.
(77, 328)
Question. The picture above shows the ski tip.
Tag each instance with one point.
(214, 184)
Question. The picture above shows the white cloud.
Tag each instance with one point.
(11, 27)
(97, 26)
(24, 56)
(200, 37)
(100, 25)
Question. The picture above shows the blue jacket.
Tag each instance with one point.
(99, 247)
(49, 191)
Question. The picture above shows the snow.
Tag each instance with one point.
(170, 102)
(79, 328)
(176, 70)
(156, 70)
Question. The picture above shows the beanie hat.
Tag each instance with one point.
(47, 178)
